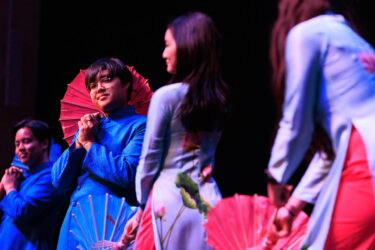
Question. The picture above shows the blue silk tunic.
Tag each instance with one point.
(109, 166)
(30, 214)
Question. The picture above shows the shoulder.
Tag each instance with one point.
(170, 94)
(136, 120)
(44, 174)
(317, 27)
(309, 36)
(172, 89)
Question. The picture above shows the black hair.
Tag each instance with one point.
(40, 130)
(115, 67)
(198, 41)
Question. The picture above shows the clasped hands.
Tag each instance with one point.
(88, 128)
(10, 180)
(281, 221)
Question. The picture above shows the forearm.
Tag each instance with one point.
(116, 168)
(14, 205)
(66, 169)
(295, 205)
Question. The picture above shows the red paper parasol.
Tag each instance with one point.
(77, 102)
(240, 222)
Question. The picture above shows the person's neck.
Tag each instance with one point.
(106, 114)
(44, 159)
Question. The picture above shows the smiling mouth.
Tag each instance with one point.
(22, 156)
(102, 97)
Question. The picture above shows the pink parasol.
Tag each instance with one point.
(240, 222)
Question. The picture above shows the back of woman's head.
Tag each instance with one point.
(198, 45)
(290, 13)
(198, 41)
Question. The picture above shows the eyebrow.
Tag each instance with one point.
(105, 75)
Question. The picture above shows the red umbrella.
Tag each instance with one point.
(240, 222)
(77, 102)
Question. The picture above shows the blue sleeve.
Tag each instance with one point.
(66, 169)
(303, 55)
(116, 168)
(314, 178)
(153, 151)
(32, 203)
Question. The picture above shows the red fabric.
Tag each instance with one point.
(77, 101)
(145, 236)
(353, 218)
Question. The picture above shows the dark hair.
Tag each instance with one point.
(115, 67)
(290, 13)
(206, 105)
(40, 130)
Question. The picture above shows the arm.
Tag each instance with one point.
(153, 151)
(313, 179)
(116, 168)
(24, 207)
(65, 170)
(303, 48)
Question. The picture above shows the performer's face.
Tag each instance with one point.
(108, 93)
(170, 52)
(29, 149)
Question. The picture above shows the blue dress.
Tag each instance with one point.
(168, 150)
(329, 82)
(30, 214)
(109, 166)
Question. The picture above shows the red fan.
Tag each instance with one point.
(240, 222)
(77, 102)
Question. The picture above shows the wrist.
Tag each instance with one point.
(9, 189)
(267, 243)
(270, 178)
(87, 145)
(291, 210)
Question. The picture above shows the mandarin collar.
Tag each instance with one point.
(27, 172)
(119, 114)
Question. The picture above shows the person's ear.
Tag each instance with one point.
(45, 144)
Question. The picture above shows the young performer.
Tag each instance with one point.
(105, 152)
(184, 125)
(329, 70)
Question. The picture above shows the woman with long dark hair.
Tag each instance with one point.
(329, 86)
(185, 121)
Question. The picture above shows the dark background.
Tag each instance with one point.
(72, 36)
(44, 44)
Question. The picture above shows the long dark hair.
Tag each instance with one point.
(205, 106)
(290, 13)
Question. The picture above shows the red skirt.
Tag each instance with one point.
(353, 219)
(145, 235)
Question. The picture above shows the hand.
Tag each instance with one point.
(130, 230)
(278, 193)
(283, 222)
(88, 129)
(286, 215)
(11, 179)
(206, 173)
